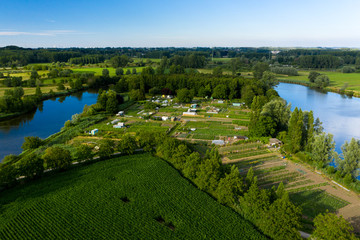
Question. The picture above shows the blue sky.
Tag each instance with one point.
(175, 23)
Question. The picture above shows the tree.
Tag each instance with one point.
(259, 69)
(31, 166)
(8, 174)
(295, 131)
(119, 71)
(279, 111)
(84, 152)
(34, 75)
(310, 130)
(137, 95)
(127, 144)
(313, 75)
(31, 143)
(322, 81)
(38, 92)
(57, 158)
(106, 148)
(268, 80)
(119, 61)
(282, 220)
(350, 163)
(323, 149)
(220, 91)
(184, 95)
(330, 226)
(209, 172)
(230, 187)
(105, 73)
(191, 166)
(111, 102)
(218, 71)
(133, 71)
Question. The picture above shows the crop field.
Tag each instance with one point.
(337, 79)
(317, 201)
(210, 130)
(98, 70)
(130, 197)
(304, 190)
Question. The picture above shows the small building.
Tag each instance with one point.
(173, 119)
(169, 96)
(192, 110)
(115, 121)
(274, 142)
(218, 142)
(189, 113)
(241, 137)
(220, 101)
(119, 125)
(193, 129)
(94, 131)
(164, 118)
(237, 104)
(121, 113)
(194, 105)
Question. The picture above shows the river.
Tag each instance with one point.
(340, 114)
(48, 119)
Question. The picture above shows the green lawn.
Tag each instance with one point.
(337, 79)
(130, 197)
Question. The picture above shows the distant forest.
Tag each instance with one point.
(13, 56)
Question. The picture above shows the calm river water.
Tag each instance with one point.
(340, 115)
(47, 120)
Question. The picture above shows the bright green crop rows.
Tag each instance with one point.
(130, 197)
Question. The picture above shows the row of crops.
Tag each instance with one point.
(271, 171)
(130, 197)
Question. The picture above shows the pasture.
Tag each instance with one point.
(129, 197)
(337, 79)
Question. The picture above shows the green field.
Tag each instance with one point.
(337, 79)
(130, 197)
(98, 70)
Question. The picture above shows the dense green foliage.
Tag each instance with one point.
(136, 197)
(330, 226)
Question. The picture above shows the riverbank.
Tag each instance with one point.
(349, 93)
(44, 97)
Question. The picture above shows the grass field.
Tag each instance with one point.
(337, 79)
(130, 197)
(98, 71)
(32, 90)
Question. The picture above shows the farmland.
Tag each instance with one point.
(130, 197)
(337, 79)
(307, 190)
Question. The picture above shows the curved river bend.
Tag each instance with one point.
(340, 115)
(47, 120)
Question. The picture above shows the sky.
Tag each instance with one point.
(175, 23)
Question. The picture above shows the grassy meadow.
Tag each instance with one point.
(337, 79)
(129, 197)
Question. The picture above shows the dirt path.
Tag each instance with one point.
(351, 212)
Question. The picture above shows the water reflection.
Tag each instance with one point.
(46, 120)
(340, 114)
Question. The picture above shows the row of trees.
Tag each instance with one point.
(301, 133)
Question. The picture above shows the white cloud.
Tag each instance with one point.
(44, 33)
